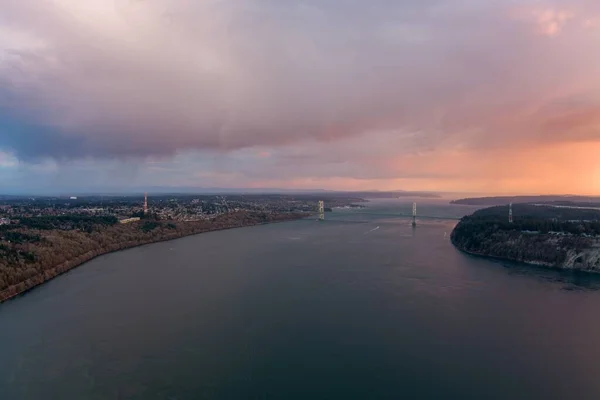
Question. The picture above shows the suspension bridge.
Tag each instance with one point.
(392, 215)
(384, 214)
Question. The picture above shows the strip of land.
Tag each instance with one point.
(564, 200)
(41, 248)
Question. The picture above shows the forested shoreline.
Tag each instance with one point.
(545, 236)
(39, 249)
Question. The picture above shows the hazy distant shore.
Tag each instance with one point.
(546, 199)
(179, 230)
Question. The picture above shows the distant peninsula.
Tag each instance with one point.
(546, 199)
(543, 235)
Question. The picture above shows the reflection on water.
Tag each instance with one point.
(570, 280)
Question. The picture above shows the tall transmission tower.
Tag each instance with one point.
(321, 210)
(414, 221)
(510, 216)
(145, 203)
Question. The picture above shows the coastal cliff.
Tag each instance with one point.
(540, 235)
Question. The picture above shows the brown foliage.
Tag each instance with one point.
(61, 250)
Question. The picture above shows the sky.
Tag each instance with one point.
(485, 96)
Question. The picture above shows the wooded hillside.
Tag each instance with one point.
(38, 249)
(558, 237)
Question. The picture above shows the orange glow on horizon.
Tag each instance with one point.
(545, 170)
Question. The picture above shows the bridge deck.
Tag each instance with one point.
(397, 215)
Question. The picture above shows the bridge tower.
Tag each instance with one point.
(414, 221)
(510, 216)
(145, 203)
(321, 210)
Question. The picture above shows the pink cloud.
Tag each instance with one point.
(591, 23)
(551, 21)
(375, 93)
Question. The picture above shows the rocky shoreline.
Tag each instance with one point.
(532, 263)
(552, 241)
(587, 260)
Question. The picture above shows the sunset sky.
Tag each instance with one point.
(484, 96)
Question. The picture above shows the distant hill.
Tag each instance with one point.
(387, 195)
(589, 201)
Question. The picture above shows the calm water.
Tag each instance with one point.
(358, 307)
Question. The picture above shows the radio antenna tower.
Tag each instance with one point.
(414, 221)
(321, 210)
(510, 217)
(145, 203)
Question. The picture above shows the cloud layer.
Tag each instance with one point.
(312, 84)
